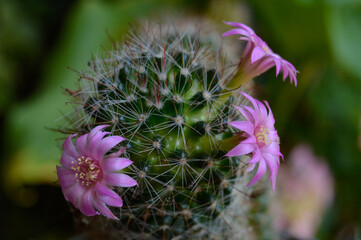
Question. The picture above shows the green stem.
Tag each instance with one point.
(238, 80)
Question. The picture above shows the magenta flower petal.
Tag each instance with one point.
(86, 204)
(241, 26)
(240, 149)
(116, 154)
(69, 147)
(262, 140)
(251, 111)
(245, 113)
(273, 167)
(103, 190)
(262, 109)
(96, 130)
(73, 193)
(257, 54)
(262, 57)
(106, 144)
(85, 169)
(273, 150)
(252, 100)
(116, 164)
(285, 72)
(120, 180)
(250, 167)
(251, 140)
(81, 144)
(67, 159)
(260, 172)
(115, 202)
(233, 32)
(243, 126)
(257, 156)
(103, 209)
(270, 118)
(66, 176)
(93, 143)
(278, 66)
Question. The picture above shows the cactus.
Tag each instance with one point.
(166, 93)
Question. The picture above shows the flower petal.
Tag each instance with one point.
(66, 177)
(271, 161)
(285, 72)
(81, 144)
(103, 190)
(257, 54)
(96, 130)
(115, 202)
(94, 142)
(257, 156)
(69, 147)
(235, 31)
(272, 150)
(273, 167)
(73, 193)
(106, 144)
(245, 113)
(260, 172)
(117, 154)
(67, 160)
(263, 110)
(120, 180)
(103, 209)
(253, 113)
(252, 100)
(250, 167)
(86, 203)
(278, 66)
(240, 25)
(240, 149)
(245, 126)
(115, 164)
(251, 140)
(94, 137)
(270, 118)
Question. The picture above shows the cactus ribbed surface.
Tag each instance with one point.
(165, 92)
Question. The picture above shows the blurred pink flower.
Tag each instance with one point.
(262, 139)
(258, 57)
(306, 190)
(87, 174)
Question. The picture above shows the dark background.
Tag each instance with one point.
(40, 39)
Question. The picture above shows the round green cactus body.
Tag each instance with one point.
(164, 92)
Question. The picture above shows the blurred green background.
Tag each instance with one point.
(40, 39)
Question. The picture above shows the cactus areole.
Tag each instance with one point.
(165, 92)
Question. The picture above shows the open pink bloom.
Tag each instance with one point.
(258, 57)
(262, 139)
(87, 174)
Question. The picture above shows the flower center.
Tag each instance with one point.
(87, 171)
(261, 133)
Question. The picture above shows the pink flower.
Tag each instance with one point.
(87, 174)
(306, 191)
(262, 139)
(258, 57)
